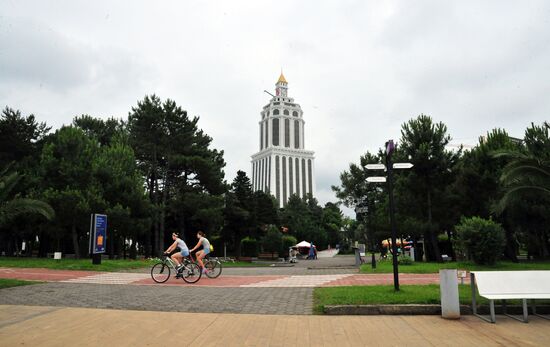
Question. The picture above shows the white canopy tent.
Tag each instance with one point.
(303, 244)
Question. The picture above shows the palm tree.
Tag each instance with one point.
(524, 174)
(12, 207)
(528, 171)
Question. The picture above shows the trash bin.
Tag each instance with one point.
(359, 252)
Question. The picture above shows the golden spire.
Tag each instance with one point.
(282, 78)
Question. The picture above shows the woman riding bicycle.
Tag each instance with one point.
(203, 241)
(178, 256)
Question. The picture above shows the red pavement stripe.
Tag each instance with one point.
(46, 275)
(222, 281)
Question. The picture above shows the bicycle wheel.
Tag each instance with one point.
(192, 273)
(213, 268)
(160, 272)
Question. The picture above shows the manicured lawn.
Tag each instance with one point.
(372, 295)
(106, 265)
(8, 282)
(421, 267)
(74, 264)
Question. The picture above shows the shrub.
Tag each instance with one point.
(288, 241)
(217, 243)
(404, 260)
(249, 247)
(480, 240)
(272, 242)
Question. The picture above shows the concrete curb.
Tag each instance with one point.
(370, 310)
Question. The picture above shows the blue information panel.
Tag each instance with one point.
(99, 233)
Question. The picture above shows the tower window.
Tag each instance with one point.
(295, 114)
(276, 132)
(297, 161)
(275, 112)
(310, 176)
(266, 134)
(286, 113)
(262, 136)
(290, 177)
(304, 189)
(284, 180)
(287, 133)
(296, 134)
(277, 179)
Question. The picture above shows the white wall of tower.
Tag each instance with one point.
(272, 170)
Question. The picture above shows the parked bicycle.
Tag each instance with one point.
(190, 273)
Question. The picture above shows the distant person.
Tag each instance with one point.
(178, 256)
(203, 241)
(311, 254)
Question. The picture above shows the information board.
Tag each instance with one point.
(98, 233)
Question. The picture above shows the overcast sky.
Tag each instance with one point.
(359, 69)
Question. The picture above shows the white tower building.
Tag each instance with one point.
(283, 167)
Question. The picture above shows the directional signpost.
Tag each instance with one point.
(376, 179)
(389, 167)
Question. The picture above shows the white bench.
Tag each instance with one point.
(509, 285)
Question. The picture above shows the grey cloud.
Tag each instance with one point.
(359, 69)
(34, 53)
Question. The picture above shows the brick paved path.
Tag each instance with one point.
(273, 290)
(262, 281)
(163, 298)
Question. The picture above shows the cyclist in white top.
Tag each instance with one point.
(203, 241)
(178, 256)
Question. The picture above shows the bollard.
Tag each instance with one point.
(448, 285)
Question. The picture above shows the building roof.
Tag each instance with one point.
(282, 79)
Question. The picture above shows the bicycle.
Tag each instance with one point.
(213, 267)
(190, 273)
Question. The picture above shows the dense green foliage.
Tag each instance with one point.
(480, 240)
(500, 178)
(272, 242)
(249, 247)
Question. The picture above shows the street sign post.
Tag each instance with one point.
(389, 167)
(402, 165)
(98, 236)
(375, 167)
(390, 147)
(376, 179)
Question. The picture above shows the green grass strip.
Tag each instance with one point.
(8, 282)
(421, 267)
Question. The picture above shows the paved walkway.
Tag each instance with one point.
(245, 281)
(51, 326)
(294, 301)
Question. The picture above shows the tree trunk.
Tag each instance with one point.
(133, 250)
(75, 241)
(510, 252)
(163, 212)
(238, 244)
(449, 236)
(111, 245)
(543, 245)
(43, 245)
(433, 236)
